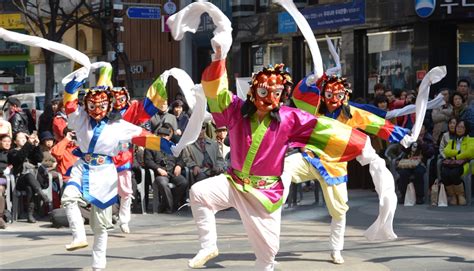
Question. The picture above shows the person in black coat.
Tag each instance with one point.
(5, 144)
(167, 170)
(17, 118)
(24, 158)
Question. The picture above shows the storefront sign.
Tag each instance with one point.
(169, 7)
(286, 23)
(328, 16)
(460, 8)
(11, 21)
(424, 8)
(450, 5)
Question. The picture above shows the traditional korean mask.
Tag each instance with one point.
(121, 98)
(98, 103)
(268, 86)
(335, 93)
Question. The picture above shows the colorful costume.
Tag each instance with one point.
(135, 112)
(252, 185)
(305, 166)
(94, 176)
(263, 131)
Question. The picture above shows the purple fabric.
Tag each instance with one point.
(295, 126)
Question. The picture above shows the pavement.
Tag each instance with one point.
(430, 238)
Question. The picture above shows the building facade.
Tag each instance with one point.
(393, 42)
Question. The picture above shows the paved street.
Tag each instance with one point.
(429, 239)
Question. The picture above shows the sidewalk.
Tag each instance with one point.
(429, 239)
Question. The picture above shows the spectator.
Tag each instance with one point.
(63, 153)
(203, 157)
(460, 148)
(448, 135)
(45, 121)
(46, 143)
(461, 111)
(163, 117)
(24, 158)
(5, 144)
(406, 121)
(417, 154)
(379, 89)
(441, 115)
(378, 143)
(390, 99)
(181, 116)
(59, 122)
(168, 170)
(5, 126)
(221, 135)
(463, 88)
(18, 119)
(458, 102)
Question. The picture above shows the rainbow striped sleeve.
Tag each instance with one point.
(333, 141)
(215, 85)
(376, 125)
(152, 142)
(155, 97)
(105, 76)
(306, 97)
(71, 93)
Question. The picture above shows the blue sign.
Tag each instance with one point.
(424, 8)
(286, 23)
(147, 13)
(328, 16)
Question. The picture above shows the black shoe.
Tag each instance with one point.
(401, 200)
(419, 200)
(31, 218)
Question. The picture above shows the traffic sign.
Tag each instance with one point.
(147, 13)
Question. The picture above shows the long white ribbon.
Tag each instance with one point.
(52, 46)
(305, 29)
(433, 76)
(197, 102)
(188, 19)
(437, 102)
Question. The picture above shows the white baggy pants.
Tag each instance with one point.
(263, 229)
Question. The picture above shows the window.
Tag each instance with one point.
(266, 54)
(328, 61)
(390, 60)
(466, 51)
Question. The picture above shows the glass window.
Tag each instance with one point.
(328, 61)
(266, 54)
(466, 51)
(390, 60)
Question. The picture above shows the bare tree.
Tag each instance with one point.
(51, 19)
(109, 32)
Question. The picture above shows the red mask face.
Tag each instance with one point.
(267, 92)
(97, 105)
(334, 96)
(121, 99)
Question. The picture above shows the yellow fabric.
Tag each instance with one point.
(467, 151)
(335, 196)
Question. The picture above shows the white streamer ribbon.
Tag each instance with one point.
(189, 18)
(433, 76)
(52, 46)
(307, 32)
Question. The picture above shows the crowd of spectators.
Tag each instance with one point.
(439, 140)
(33, 155)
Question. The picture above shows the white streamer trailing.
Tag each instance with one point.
(188, 19)
(307, 33)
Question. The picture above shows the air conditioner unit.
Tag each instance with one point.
(29, 79)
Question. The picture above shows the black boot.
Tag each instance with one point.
(31, 211)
